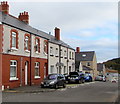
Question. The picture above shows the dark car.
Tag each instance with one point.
(75, 77)
(54, 80)
(88, 77)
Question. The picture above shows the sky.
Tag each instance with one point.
(91, 25)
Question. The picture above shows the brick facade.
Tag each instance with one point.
(21, 60)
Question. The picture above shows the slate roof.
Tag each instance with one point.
(84, 56)
(13, 21)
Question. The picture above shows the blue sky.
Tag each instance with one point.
(93, 25)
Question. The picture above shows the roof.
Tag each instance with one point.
(85, 68)
(100, 67)
(84, 56)
(13, 21)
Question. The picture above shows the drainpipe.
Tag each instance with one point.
(30, 57)
(59, 57)
(67, 60)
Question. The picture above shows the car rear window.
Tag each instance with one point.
(51, 77)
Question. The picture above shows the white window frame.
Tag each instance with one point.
(14, 35)
(26, 43)
(65, 53)
(45, 46)
(13, 61)
(51, 51)
(37, 45)
(37, 65)
(56, 52)
(61, 53)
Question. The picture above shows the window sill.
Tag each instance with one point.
(65, 57)
(37, 77)
(14, 49)
(51, 55)
(13, 78)
(37, 52)
(27, 51)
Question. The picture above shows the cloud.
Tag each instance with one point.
(90, 25)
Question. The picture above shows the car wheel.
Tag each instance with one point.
(64, 85)
(80, 81)
(56, 86)
(42, 86)
(83, 81)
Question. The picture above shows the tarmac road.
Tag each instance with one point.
(88, 92)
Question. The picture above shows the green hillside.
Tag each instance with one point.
(114, 64)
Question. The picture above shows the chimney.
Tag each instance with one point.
(57, 33)
(78, 49)
(24, 17)
(4, 7)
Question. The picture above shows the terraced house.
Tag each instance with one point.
(27, 54)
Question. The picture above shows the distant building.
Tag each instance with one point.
(88, 61)
(101, 68)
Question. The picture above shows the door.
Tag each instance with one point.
(26, 73)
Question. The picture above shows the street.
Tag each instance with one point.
(87, 92)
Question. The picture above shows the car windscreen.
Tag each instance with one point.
(51, 77)
(86, 75)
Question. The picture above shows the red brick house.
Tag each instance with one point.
(23, 50)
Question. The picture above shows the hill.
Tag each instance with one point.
(113, 64)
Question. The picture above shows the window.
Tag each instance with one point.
(70, 55)
(65, 70)
(56, 52)
(73, 55)
(37, 45)
(13, 40)
(52, 69)
(51, 51)
(27, 42)
(37, 67)
(13, 70)
(88, 63)
(45, 47)
(65, 54)
(61, 52)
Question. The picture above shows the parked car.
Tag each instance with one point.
(88, 77)
(75, 77)
(100, 78)
(114, 79)
(54, 80)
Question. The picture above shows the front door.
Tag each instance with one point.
(26, 73)
(45, 70)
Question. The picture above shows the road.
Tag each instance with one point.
(88, 92)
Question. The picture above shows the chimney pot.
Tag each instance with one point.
(57, 33)
(24, 17)
(4, 7)
(78, 49)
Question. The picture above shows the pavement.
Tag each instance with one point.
(37, 88)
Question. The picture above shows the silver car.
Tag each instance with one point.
(100, 78)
